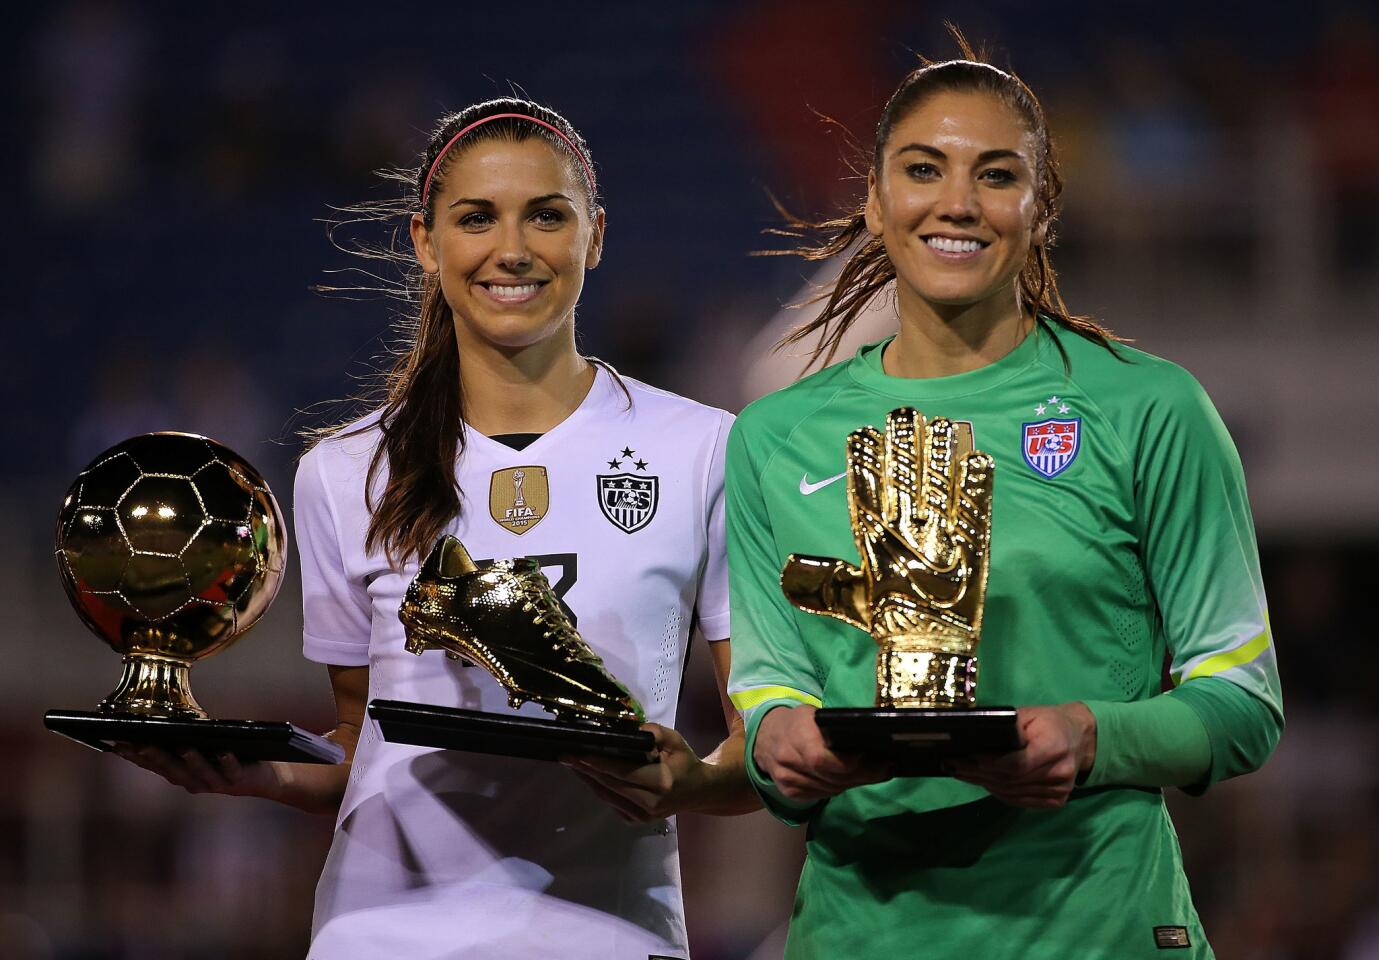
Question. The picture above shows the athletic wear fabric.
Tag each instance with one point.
(1159, 742)
(447, 854)
(1120, 534)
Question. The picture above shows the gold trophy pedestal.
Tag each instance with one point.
(928, 717)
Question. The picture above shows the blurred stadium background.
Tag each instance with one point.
(170, 165)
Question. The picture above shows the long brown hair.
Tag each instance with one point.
(869, 269)
(419, 401)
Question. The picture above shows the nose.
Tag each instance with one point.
(513, 253)
(959, 202)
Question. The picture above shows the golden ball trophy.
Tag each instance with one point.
(919, 498)
(171, 546)
(504, 617)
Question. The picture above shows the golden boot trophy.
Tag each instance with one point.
(171, 547)
(505, 617)
(920, 505)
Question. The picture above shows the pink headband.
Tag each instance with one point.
(579, 154)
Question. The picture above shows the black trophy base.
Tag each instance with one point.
(919, 742)
(534, 738)
(248, 740)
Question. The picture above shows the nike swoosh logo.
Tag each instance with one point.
(807, 488)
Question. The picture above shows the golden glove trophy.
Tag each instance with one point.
(920, 502)
(504, 617)
(171, 547)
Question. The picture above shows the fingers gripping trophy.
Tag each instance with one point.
(920, 501)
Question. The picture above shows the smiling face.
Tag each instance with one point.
(510, 240)
(955, 200)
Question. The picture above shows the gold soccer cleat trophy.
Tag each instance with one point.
(503, 616)
(920, 502)
(171, 547)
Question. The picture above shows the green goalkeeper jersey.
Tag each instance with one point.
(1121, 541)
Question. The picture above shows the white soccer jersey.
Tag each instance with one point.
(456, 855)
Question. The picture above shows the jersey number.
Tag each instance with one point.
(569, 572)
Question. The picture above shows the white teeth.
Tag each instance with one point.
(948, 245)
(519, 291)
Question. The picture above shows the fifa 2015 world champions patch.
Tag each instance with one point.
(629, 499)
(1171, 938)
(1050, 446)
(519, 497)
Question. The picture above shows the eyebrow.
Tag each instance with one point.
(481, 202)
(986, 156)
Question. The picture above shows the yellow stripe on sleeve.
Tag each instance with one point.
(747, 699)
(1231, 658)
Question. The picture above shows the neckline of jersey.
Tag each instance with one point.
(518, 441)
(599, 390)
(865, 368)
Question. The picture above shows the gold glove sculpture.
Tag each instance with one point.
(920, 502)
(506, 618)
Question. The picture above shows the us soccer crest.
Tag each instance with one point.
(629, 500)
(519, 497)
(1050, 446)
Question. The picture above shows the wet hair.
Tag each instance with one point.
(418, 399)
(869, 269)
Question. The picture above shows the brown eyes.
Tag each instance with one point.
(925, 172)
(479, 219)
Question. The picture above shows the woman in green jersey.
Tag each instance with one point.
(1121, 540)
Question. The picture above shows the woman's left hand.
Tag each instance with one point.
(644, 792)
(1060, 744)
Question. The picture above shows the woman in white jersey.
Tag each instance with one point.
(445, 854)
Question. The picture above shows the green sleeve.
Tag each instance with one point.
(1202, 564)
(771, 666)
(1242, 729)
(1159, 742)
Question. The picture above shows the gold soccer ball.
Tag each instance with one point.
(170, 547)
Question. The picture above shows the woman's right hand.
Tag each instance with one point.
(311, 787)
(791, 751)
(195, 772)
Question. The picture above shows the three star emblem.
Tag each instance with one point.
(627, 454)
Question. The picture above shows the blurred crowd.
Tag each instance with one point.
(176, 167)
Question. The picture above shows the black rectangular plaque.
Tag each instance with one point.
(919, 741)
(248, 740)
(534, 738)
